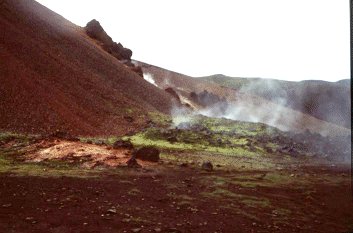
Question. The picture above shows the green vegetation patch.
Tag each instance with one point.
(11, 160)
(250, 201)
(258, 179)
(45, 169)
(100, 140)
(188, 140)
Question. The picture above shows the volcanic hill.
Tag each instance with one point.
(55, 77)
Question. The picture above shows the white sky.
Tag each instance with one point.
(281, 39)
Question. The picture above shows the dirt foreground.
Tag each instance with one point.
(172, 197)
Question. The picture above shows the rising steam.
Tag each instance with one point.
(273, 113)
(149, 78)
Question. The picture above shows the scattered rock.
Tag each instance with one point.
(112, 211)
(129, 119)
(147, 153)
(138, 70)
(172, 139)
(132, 163)
(207, 166)
(122, 144)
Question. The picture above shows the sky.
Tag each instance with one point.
(281, 39)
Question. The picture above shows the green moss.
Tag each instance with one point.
(220, 180)
(252, 201)
(147, 139)
(8, 164)
(269, 179)
(160, 118)
(283, 212)
(220, 193)
(184, 203)
(272, 145)
(98, 140)
(129, 110)
(141, 140)
(247, 214)
(20, 140)
(221, 136)
(257, 203)
(239, 141)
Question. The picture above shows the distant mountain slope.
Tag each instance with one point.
(240, 105)
(54, 77)
(329, 101)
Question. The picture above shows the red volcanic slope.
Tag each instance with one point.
(54, 77)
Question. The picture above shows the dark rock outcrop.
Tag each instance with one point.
(122, 144)
(58, 134)
(147, 153)
(207, 99)
(96, 31)
(138, 70)
(172, 92)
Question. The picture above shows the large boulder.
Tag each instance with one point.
(117, 50)
(149, 153)
(96, 31)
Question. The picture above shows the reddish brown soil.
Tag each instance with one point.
(155, 202)
(53, 76)
(86, 155)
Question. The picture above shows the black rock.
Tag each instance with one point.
(132, 163)
(207, 166)
(123, 144)
(147, 153)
